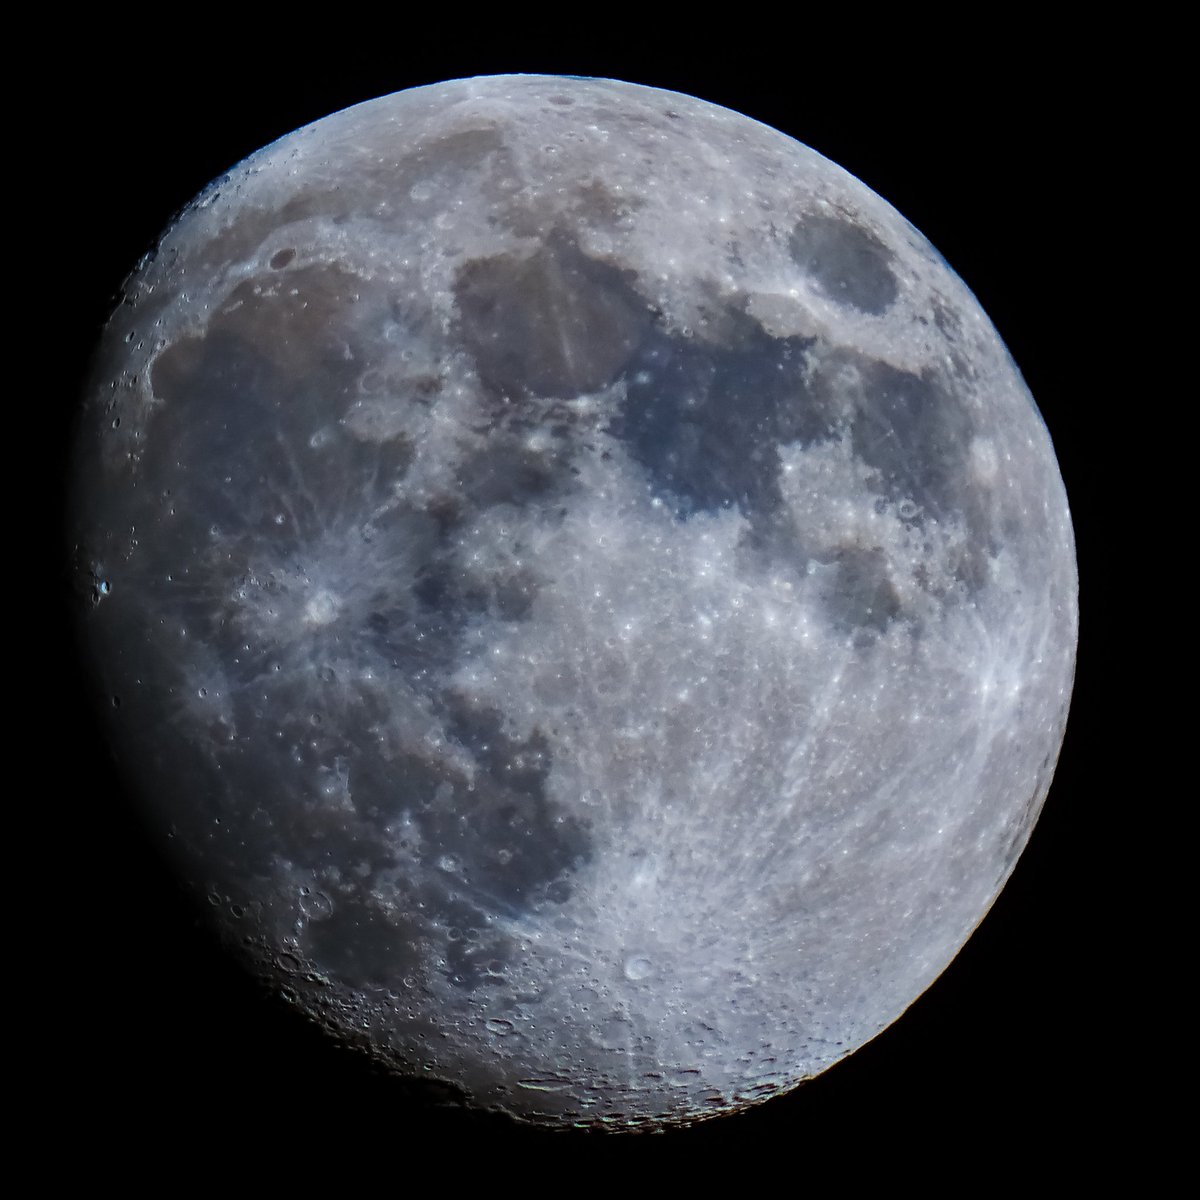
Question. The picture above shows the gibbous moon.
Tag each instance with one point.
(580, 587)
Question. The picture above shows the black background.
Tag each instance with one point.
(991, 151)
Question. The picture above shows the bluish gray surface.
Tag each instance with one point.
(586, 589)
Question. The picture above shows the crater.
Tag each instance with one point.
(847, 263)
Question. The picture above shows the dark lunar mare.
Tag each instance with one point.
(249, 473)
(250, 487)
(705, 418)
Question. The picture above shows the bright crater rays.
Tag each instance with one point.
(587, 590)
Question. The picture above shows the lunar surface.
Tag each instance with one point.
(580, 587)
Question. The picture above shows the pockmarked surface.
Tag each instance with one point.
(582, 588)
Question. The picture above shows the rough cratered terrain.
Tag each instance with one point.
(583, 587)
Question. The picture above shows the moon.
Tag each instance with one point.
(581, 588)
